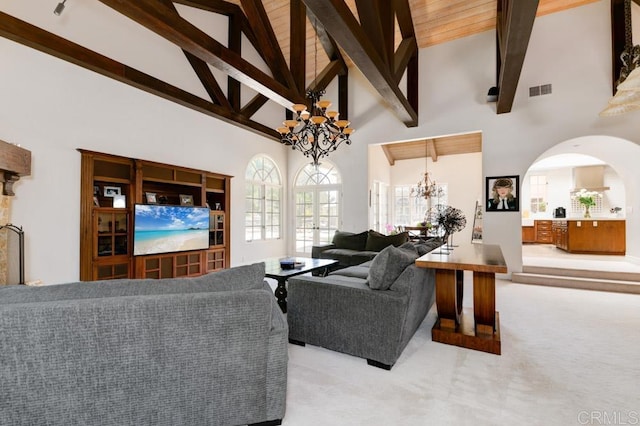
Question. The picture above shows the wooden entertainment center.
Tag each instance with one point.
(111, 186)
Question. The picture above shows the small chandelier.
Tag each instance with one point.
(426, 187)
(315, 133)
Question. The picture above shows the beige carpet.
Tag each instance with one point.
(568, 357)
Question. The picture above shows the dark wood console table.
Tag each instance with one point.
(478, 329)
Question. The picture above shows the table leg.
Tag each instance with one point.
(484, 302)
(459, 289)
(447, 298)
(281, 294)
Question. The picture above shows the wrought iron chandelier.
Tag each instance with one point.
(317, 132)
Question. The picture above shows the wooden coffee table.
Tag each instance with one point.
(273, 270)
(480, 329)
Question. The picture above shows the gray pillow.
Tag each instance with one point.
(387, 266)
(410, 247)
(349, 240)
(429, 245)
(377, 241)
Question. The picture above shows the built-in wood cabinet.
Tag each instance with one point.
(544, 234)
(112, 185)
(540, 232)
(590, 236)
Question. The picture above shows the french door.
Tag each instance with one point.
(317, 207)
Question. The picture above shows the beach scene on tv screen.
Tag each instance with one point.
(164, 229)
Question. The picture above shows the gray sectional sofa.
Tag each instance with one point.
(370, 311)
(210, 350)
(351, 249)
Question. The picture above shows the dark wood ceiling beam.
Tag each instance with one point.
(405, 51)
(204, 73)
(298, 37)
(405, 23)
(43, 41)
(403, 16)
(163, 21)
(224, 8)
(336, 17)
(208, 81)
(326, 76)
(377, 21)
(234, 89)
(514, 24)
(328, 43)
(267, 42)
(253, 105)
(337, 66)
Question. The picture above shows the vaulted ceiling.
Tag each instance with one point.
(379, 37)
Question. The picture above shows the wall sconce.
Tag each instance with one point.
(59, 8)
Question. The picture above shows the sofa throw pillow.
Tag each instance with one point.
(409, 246)
(387, 266)
(429, 245)
(350, 240)
(377, 241)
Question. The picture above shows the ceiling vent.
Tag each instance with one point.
(544, 89)
(590, 178)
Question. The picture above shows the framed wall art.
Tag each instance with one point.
(502, 194)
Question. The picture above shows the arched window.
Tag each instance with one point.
(263, 217)
(317, 206)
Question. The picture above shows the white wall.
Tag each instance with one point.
(560, 185)
(52, 107)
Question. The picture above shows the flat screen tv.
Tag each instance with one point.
(166, 229)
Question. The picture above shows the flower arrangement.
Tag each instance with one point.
(586, 198)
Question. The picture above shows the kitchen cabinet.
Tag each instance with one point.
(543, 232)
(528, 234)
(591, 236)
(540, 232)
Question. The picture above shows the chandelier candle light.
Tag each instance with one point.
(587, 199)
(315, 133)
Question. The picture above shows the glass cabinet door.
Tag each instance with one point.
(111, 230)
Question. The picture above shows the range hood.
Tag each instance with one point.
(590, 178)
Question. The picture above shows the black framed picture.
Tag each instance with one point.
(502, 194)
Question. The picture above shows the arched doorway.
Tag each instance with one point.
(620, 158)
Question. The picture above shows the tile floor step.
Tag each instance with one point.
(582, 273)
(600, 284)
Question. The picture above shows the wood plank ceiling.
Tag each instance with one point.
(380, 37)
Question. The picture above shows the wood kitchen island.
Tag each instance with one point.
(590, 236)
